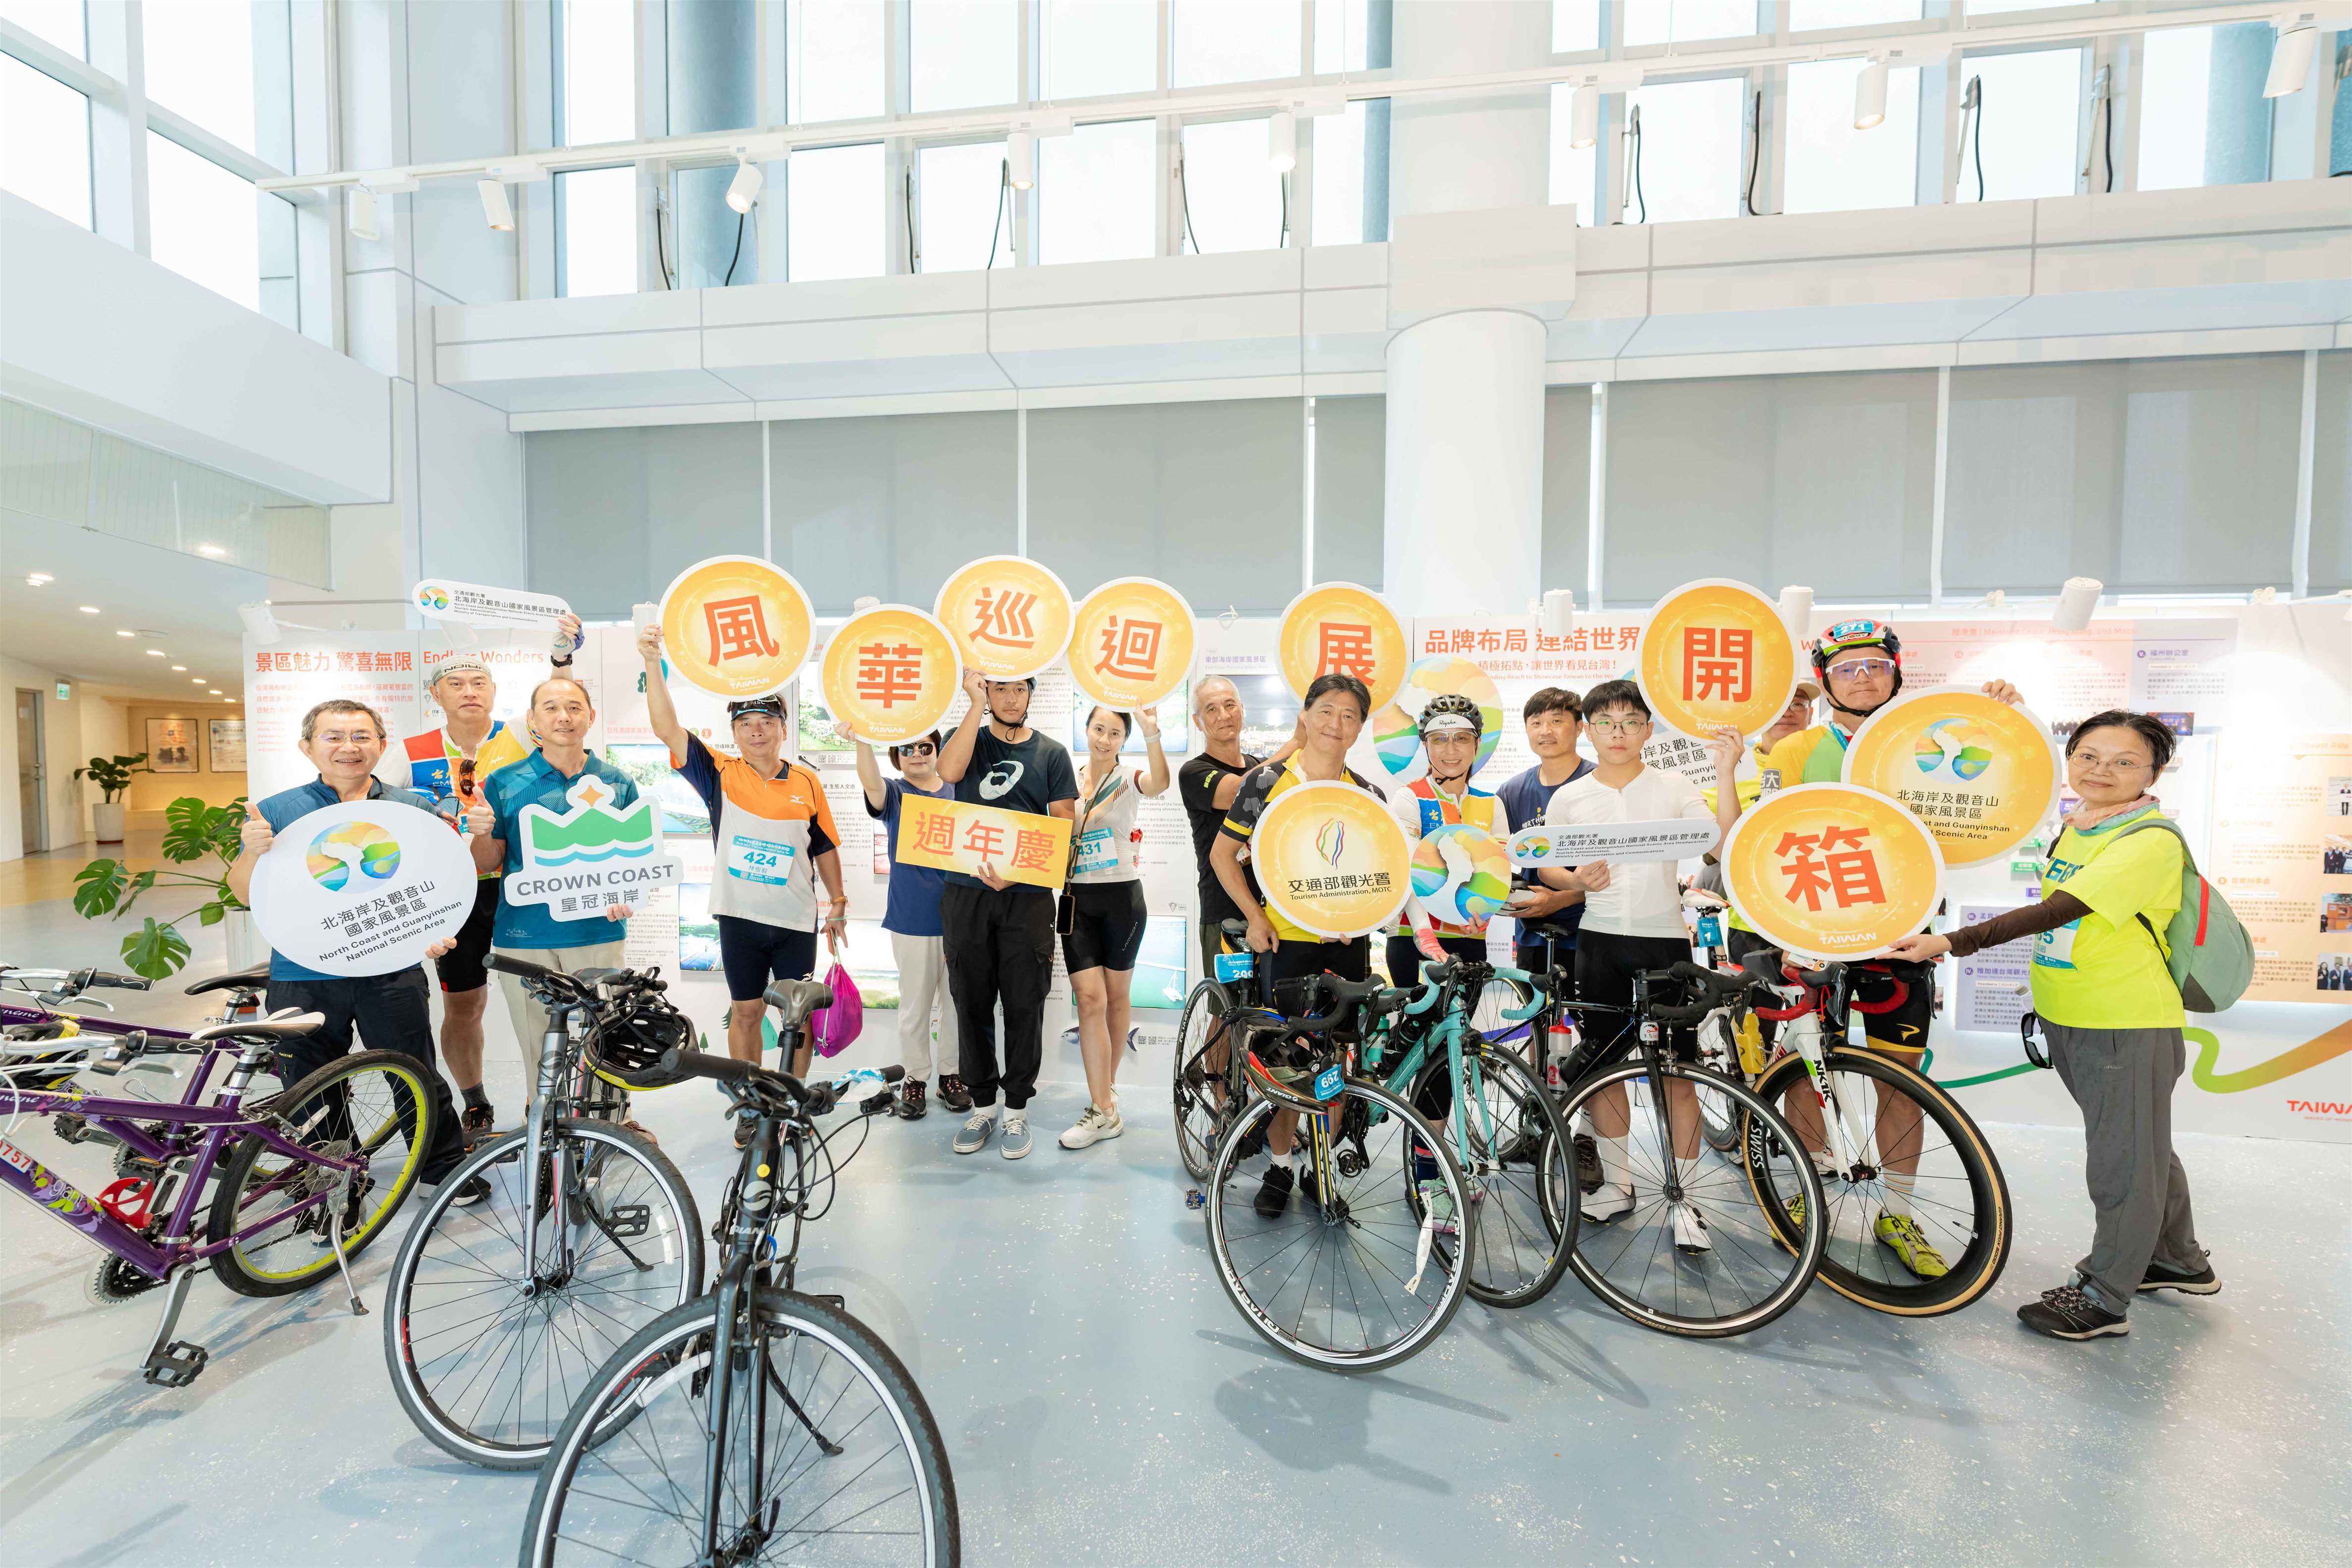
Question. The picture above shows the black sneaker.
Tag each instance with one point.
(2202, 1283)
(2065, 1313)
(912, 1104)
(1588, 1163)
(1253, 1142)
(952, 1093)
(1274, 1193)
(478, 1123)
(875, 1104)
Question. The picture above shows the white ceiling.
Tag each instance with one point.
(181, 604)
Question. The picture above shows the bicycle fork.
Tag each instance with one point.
(1849, 1146)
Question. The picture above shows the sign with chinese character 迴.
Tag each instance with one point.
(1131, 643)
(1980, 773)
(1010, 617)
(362, 887)
(1716, 652)
(1331, 859)
(736, 626)
(472, 604)
(1338, 628)
(1828, 871)
(590, 857)
(890, 673)
(1674, 838)
(958, 835)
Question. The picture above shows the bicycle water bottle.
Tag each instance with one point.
(1749, 1039)
(1559, 1044)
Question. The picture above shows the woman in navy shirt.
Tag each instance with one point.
(911, 916)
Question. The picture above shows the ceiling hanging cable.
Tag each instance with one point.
(1755, 151)
(1633, 161)
(1184, 199)
(741, 218)
(2102, 115)
(1282, 184)
(906, 205)
(1003, 188)
(661, 252)
(1973, 109)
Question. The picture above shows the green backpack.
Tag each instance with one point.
(2207, 950)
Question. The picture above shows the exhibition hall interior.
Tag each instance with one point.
(1174, 781)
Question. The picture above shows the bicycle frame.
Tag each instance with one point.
(1452, 1024)
(1806, 1031)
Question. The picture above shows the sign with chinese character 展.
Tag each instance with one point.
(1338, 628)
(1981, 774)
(590, 857)
(1131, 643)
(1010, 617)
(957, 836)
(1675, 838)
(736, 626)
(472, 604)
(1716, 652)
(1331, 859)
(889, 674)
(362, 887)
(1830, 871)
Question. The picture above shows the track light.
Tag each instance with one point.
(1282, 142)
(1584, 117)
(2291, 59)
(1870, 96)
(2076, 600)
(1797, 612)
(495, 209)
(360, 204)
(744, 188)
(1020, 159)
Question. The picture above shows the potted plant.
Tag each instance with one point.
(112, 774)
(192, 833)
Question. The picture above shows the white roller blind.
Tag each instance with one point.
(1567, 488)
(615, 514)
(1351, 445)
(889, 506)
(2331, 478)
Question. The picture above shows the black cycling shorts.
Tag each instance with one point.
(1108, 930)
(754, 952)
(1904, 1027)
(1606, 963)
(460, 969)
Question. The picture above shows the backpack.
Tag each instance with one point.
(2210, 954)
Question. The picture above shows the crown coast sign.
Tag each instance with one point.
(590, 857)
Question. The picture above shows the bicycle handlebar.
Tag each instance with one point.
(815, 1099)
(120, 981)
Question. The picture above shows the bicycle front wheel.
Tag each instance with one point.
(1514, 1151)
(827, 1452)
(1206, 1103)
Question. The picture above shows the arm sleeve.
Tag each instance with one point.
(2027, 919)
(2141, 874)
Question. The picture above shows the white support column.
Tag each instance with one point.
(1463, 528)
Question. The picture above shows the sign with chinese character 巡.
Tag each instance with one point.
(957, 836)
(591, 855)
(1716, 652)
(1131, 643)
(1828, 871)
(1338, 628)
(1331, 859)
(736, 626)
(1673, 839)
(889, 674)
(1010, 617)
(1981, 774)
(362, 887)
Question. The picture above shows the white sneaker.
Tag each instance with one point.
(1093, 1128)
(1606, 1202)
(1016, 1136)
(1690, 1229)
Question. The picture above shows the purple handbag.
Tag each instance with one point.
(835, 1026)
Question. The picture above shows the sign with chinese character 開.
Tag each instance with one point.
(1830, 871)
(590, 857)
(362, 887)
(1131, 643)
(958, 835)
(1674, 838)
(889, 674)
(1010, 617)
(736, 626)
(1716, 652)
(1981, 774)
(472, 604)
(1331, 859)
(1338, 628)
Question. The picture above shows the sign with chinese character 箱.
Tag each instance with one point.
(736, 626)
(1831, 871)
(473, 604)
(889, 674)
(1331, 859)
(362, 887)
(1716, 652)
(1980, 773)
(1338, 628)
(958, 835)
(591, 855)
(1010, 617)
(1673, 839)
(1131, 643)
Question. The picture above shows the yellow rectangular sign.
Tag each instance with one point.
(957, 835)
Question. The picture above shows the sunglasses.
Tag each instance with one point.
(1857, 668)
(916, 748)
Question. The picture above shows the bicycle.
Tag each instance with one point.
(497, 1313)
(755, 1424)
(306, 1178)
(1210, 1087)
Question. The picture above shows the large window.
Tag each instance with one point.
(1575, 26)
(1575, 171)
(1834, 167)
(2331, 478)
(2025, 140)
(596, 97)
(1351, 174)
(44, 142)
(963, 220)
(1568, 489)
(961, 53)
(834, 199)
(59, 22)
(2205, 120)
(1093, 47)
(211, 226)
(1812, 16)
(1094, 193)
(1681, 21)
(711, 46)
(1689, 165)
(1352, 36)
(226, 65)
(834, 51)
(1233, 197)
(1232, 40)
(597, 210)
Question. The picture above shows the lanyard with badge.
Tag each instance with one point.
(1091, 849)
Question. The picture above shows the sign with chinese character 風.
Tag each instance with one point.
(1831, 871)
(362, 887)
(736, 626)
(1331, 859)
(472, 604)
(1716, 652)
(958, 835)
(889, 674)
(1131, 643)
(1674, 838)
(1010, 617)
(1338, 628)
(591, 857)
(1981, 774)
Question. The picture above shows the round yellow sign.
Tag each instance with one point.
(1132, 644)
(1331, 859)
(1828, 871)
(737, 625)
(1716, 652)
(1010, 617)
(889, 674)
(1981, 774)
(1340, 628)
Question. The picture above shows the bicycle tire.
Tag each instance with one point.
(1512, 1263)
(435, 1399)
(1200, 1121)
(645, 1375)
(1718, 1123)
(1990, 1225)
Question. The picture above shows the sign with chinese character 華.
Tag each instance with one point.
(1338, 628)
(1331, 859)
(362, 887)
(472, 604)
(1010, 617)
(889, 674)
(958, 835)
(1131, 643)
(1831, 871)
(1675, 838)
(1981, 774)
(591, 855)
(1716, 652)
(736, 626)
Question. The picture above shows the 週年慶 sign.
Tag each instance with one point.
(958, 835)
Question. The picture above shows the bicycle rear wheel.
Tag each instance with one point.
(1718, 1119)
(1206, 1103)
(1514, 1153)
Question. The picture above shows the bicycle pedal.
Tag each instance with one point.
(628, 1221)
(1195, 1199)
(176, 1364)
(70, 1129)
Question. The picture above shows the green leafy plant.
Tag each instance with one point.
(193, 833)
(112, 774)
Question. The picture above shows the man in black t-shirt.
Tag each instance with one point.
(1207, 783)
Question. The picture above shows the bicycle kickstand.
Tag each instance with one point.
(173, 1363)
(343, 1263)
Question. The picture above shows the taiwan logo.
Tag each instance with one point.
(363, 844)
(1331, 841)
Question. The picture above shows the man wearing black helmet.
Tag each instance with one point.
(1451, 730)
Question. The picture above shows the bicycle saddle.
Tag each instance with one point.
(796, 999)
(1546, 931)
(254, 979)
(286, 1026)
(1237, 929)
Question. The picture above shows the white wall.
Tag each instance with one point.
(86, 725)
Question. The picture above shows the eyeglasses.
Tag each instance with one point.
(1614, 726)
(342, 738)
(2092, 762)
(1859, 669)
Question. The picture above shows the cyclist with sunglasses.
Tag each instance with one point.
(911, 916)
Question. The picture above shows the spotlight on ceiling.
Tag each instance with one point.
(496, 209)
(1282, 142)
(2291, 56)
(744, 188)
(1870, 95)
